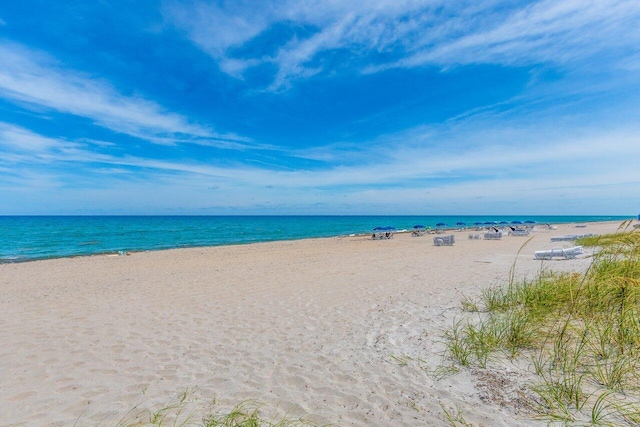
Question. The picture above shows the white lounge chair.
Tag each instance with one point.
(563, 253)
(444, 240)
(493, 235)
(519, 232)
(570, 237)
(382, 235)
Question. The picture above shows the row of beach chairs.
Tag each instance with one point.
(569, 253)
(562, 253)
(571, 237)
(487, 236)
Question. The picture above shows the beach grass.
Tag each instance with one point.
(454, 416)
(581, 332)
(186, 410)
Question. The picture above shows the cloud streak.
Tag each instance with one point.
(397, 165)
(558, 32)
(36, 81)
(414, 33)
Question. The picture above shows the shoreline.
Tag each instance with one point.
(401, 231)
(314, 327)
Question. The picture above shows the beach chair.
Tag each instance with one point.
(571, 237)
(493, 235)
(444, 240)
(519, 232)
(474, 236)
(562, 253)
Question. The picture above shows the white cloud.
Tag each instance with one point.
(36, 81)
(214, 28)
(509, 163)
(21, 146)
(416, 33)
(548, 31)
(15, 138)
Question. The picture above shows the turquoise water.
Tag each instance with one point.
(24, 238)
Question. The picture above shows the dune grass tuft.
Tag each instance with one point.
(187, 411)
(580, 330)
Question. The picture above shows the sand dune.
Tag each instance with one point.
(309, 327)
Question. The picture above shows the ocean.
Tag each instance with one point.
(26, 238)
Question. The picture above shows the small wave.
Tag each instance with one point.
(11, 260)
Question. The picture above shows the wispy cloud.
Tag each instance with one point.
(512, 163)
(385, 34)
(15, 138)
(549, 31)
(21, 146)
(38, 82)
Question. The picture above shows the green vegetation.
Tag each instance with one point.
(580, 330)
(454, 417)
(185, 411)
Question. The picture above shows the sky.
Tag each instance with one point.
(334, 107)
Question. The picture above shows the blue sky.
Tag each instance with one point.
(320, 107)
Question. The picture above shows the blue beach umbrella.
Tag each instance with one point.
(418, 226)
(478, 223)
(516, 222)
(530, 222)
(441, 224)
(488, 223)
(461, 223)
(504, 222)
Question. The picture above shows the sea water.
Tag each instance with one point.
(25, 238)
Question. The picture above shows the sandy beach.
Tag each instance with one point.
(318, 328)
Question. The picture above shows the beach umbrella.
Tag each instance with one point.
(384, 228)
(530, 222)
(461, 223)
(516, 222)
(504, 222)
(441, 224)
(478, 223)
(488, 223)
(419, 226)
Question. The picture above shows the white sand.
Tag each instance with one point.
(307, 326)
